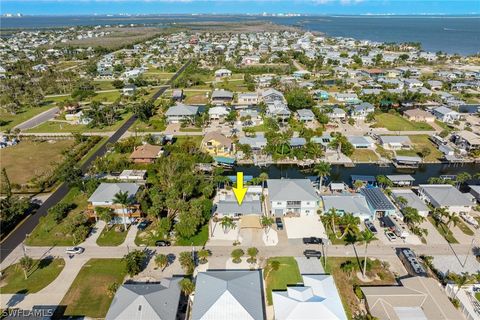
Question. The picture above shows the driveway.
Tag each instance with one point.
(301, 227)
(309, 266)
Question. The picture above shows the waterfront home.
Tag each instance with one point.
(337, 114)
(406, 161)
(256, 143)
(354, 203)
(361, 142)
(218, 112)
(445, 196)
(146, 301)
(221, 97)
(317, 295)
(416, 298)
(475, 192)
(305, 115)
(466, 140)
(378, 202)
(181, 112)
(104, 197)
(271, 95)
(412, 201)
(296, 196)
(419, 115)
(395, 142)
(248, 98)
(216, 144)
(229, 207)
(146, 153)
(297, 142)
(401, 180)
(223, 73)
(361, 111)
(446, 115)
(278, 110)
(229, 294)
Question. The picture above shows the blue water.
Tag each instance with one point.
(452, 34)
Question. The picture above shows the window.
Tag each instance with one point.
(279, 203)
(294, 203)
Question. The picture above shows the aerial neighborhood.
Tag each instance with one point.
(197, 173)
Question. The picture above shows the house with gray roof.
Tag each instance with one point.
(181, 112)
(395, 142)
(361, 142)
(401, 179)
(272, 95)
(256, 143)
(413, 201)
(230, 207)
(221, 96)
(297, 196)
(378, 202)
(146, 301)
(305, 115)
(355, 204)
(229, 295)
(361, 111)
(446, 115)
(446, 196)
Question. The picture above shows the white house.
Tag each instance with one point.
(222, 73)
(446, 196)
(355, 204)
(248, 98)
(446, 115)
(217, 113)
(297, 196)
(181, 112)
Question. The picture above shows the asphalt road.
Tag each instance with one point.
(38, 119)
(18, 235)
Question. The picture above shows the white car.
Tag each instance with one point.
(391, 236)
(75, 250)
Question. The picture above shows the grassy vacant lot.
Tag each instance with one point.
(345, 282)
(155, 124)
(42, 274)
(8, 120)
(363, 155)
(30, 159)
(50, 233)
(195, 97)
(395, 122)
(88, 295)
(421, 141)
(200, 239)
(443, 230)
(286, 274)
(111, 237)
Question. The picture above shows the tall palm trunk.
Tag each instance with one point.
(365, 261)
(124, 218)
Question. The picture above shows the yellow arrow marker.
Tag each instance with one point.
(240, 191)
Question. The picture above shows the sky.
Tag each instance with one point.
(313, 7)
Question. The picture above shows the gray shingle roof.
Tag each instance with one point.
(377, 199)
(244, 286)
(291, 189)
(146, 301)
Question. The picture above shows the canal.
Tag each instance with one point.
(341, 173)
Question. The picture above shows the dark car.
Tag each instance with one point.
(162, 243)
(143, 225)
(312, 254)
(370, 226)
(312, 240)
(279, 223)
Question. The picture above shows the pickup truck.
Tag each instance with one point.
(312, 254)
(312, 240)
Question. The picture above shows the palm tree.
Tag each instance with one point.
(187, 286)
(322, 169)
(452, 218)
(411, 216)
(26, 263)
(401, 201)
(366, 237)
(266, 223)
(252, 253)
(461, 178)
(227, 223)
(263, 178)
(358, 184)
(348, 267)
(273, 265)
(329, 219)
(237, 255)
(350, 224)
(161, 261)
(123, 199)
(104, 214)
(462, 280)
(203, 255)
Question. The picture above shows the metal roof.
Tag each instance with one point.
(231, 207)
(400, 177)
(445, 195)
(377, 199)
(106, 191)
(355, 177)
(291, 189)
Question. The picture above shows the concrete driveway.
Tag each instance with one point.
(309, 266)
(301, 227)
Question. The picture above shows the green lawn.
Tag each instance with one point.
(191, 129)
(88, 295)
(50, 233)
(442, 229)
(200, 239)
(42, 274)
(287, 274)
(8, 120)
(421, 141)
(363, 155)
(477, 295)
(395, 122)
(155, 124)
(111, 237)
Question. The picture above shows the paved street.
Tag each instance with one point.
(38, 119)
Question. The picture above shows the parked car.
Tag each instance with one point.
(370, 226)
(312, 254)
(75, 250)
(162, 243)
(143, 225)
(312, 240)
(390, 236)
(279, 223)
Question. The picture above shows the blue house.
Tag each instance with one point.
(378, 202)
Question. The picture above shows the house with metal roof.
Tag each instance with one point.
(401, 180)
(181, 112)
(230, 207)
(361, 142)
(297, 196)
(229, 295)
(395, 142)
(412, 199)
(305, 115)
(256, 143)
(354, 203)
(361, 111)
(221, 96)
(446, 196)
(146, 301)
(417, 298)
(297, 142)
(316, 298)
(446, 115)
(378, 202)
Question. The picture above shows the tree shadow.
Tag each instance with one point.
(17, 298)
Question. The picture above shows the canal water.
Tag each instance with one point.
(341, 173)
